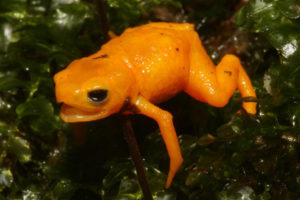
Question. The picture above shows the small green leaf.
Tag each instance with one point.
(6, 129)
(130, 187)
(290, 8)
(64, 189)
(294, 114)
(194, 178)
(44, 125)
(129, 12)
(6, 178)
(29, 194)
(20, 147)
(237, 193)
(5, 36)
(67, 20)
(8, 83)
(35, 107)
(122, 178)
(206, 140)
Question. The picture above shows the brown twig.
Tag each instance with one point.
(136, 157)
(128, 130)
(100, 5)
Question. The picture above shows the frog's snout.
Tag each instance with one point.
(60, 76)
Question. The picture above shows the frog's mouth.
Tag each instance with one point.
(72, 114)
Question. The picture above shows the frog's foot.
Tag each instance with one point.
(175, 163)
(228, 76)
(165, 123)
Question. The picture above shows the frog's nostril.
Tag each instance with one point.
(59, 77)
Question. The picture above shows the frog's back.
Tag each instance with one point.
(159, 56)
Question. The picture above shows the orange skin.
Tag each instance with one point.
(146, 65)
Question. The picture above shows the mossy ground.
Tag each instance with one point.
(227, 155)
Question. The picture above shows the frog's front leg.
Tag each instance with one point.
(165, 123)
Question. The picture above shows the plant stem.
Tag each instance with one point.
(100, 5)
(128, 130)
(136, 157)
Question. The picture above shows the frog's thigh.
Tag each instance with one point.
(216, 87)
(165, 122)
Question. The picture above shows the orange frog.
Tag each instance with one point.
(147, 65)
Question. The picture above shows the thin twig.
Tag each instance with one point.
(136, 157)
(100, 5)
(128, 130)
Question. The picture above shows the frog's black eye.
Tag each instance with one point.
(98, 96)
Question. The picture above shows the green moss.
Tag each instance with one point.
(226, 155)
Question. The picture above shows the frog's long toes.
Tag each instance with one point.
(175, 163)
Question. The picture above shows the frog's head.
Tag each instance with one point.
(92, 88)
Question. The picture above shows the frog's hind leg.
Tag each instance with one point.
(215, 85)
